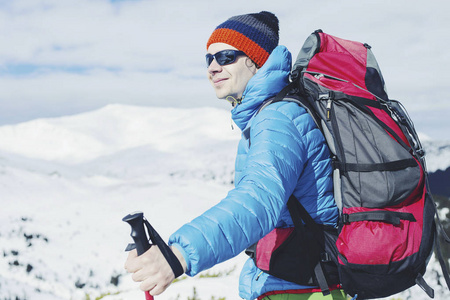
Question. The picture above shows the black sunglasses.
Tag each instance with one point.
(224, 57)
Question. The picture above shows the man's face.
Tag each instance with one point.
(229, 80)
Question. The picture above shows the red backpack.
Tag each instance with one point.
(387, 229)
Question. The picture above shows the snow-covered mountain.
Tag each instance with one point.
(437, 154)
(66, 183)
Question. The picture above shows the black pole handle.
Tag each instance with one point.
(139, 235)
(136, 221)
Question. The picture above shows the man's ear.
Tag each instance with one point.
(251, 65)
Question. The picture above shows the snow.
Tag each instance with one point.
(437, 154)
(67, 182)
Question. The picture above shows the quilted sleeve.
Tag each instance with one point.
(251, 210)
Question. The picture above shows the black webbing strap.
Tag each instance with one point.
(283, 93)
(440, 232)
(391, 217)
(388, 166)
(156, 239)
(420, 281)
(298, 96)
(279, 97)
(437, 248)
(298, 213)
(321, 279)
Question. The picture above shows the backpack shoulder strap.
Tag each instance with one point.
(290, 93)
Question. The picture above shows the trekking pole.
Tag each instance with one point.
(141, 243)
(136, 221)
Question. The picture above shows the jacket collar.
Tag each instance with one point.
(267, 82)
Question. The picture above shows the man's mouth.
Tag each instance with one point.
(219, 80)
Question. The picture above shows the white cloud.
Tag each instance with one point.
(151, 52)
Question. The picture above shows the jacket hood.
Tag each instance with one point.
(267, 82)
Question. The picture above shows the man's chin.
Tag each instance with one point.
(221, 95)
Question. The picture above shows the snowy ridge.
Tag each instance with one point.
(437, 155)
(67, 182)
(114, 128)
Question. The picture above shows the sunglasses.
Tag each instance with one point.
(224, 57)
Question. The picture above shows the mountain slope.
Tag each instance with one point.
(67, 182)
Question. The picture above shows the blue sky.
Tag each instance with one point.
(62, 57)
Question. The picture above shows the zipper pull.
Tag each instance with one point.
(329, 102)
(329, 97)
(257, 277)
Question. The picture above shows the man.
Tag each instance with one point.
(288, 156)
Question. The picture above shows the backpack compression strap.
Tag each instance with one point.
(391, 217)
(388, 166)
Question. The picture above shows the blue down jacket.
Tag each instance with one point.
(287, 155)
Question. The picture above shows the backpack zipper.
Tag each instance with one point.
(330, 117)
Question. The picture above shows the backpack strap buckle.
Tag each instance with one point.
(345, 218)
(325, 257)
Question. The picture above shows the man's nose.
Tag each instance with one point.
(214, 67)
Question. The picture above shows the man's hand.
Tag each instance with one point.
(152, 269)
